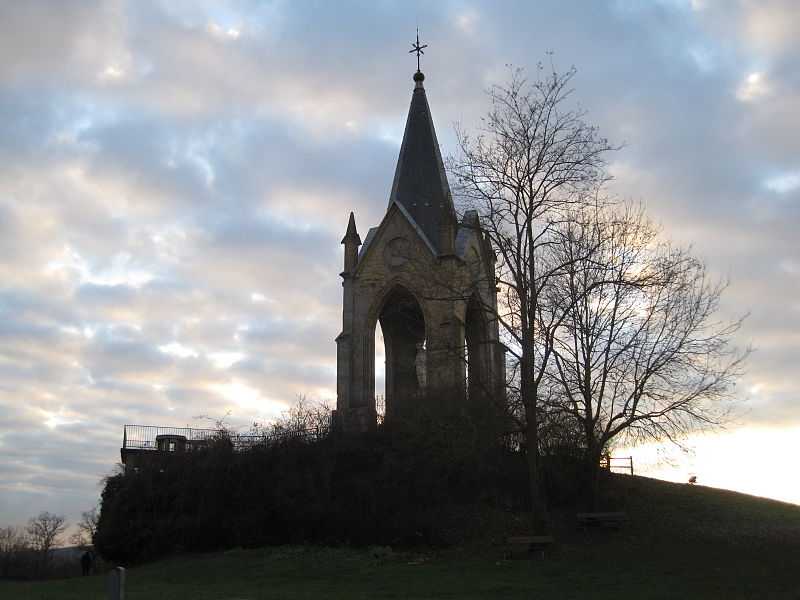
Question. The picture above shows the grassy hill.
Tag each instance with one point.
(681, 542)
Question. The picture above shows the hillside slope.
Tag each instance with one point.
(681, 542)
(688, 512)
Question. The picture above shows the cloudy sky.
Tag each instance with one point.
(175, 179)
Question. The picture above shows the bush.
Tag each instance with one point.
(388, 488)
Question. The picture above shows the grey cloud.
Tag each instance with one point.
(293, 374)
(117, 351)
(41, 39)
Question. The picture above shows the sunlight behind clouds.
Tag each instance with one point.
(250, 399)
(466, 21)
(784, 183)
(747, 460)
(176, 349)
(111, 72)
(122, 270)
(56, 419)
(215, 30)
(754, 87)
(223, 360)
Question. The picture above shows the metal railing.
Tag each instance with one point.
(146, 437)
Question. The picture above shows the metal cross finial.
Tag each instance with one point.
(415, 47)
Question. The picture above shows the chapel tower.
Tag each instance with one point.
(428, 279)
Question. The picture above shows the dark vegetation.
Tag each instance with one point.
(404, 488)
(681, 541)
(33, 552)
(25, 563)
(36, 552)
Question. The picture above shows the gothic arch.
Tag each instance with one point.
(404, 324)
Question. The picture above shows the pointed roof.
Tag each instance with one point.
(351, 235)
(420, 183)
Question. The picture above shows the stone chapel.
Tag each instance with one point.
(428, 279)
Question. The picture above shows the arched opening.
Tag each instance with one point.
(379, 371)
(478, 359)
(402, 324)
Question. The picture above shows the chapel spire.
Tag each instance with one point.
(422, 276)
(420, 182)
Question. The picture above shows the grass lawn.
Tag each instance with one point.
(681, 542)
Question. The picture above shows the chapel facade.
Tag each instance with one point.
(427, 277)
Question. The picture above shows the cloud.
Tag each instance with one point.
(177, 178)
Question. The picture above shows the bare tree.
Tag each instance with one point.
(13, 545)
(87, 527)
(637, 348)
(306, 420)
(43, 531)
(532, 160)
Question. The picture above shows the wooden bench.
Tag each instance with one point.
(527, 543)
(602, 518)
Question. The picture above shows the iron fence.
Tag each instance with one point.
(145, 437)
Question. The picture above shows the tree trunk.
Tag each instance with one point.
(530, 403)
(591, 478)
